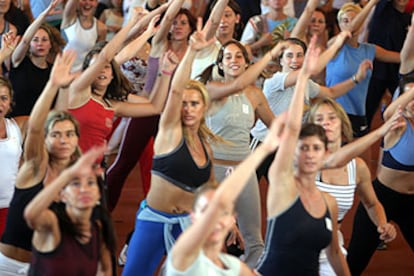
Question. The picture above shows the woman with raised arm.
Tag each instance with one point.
(198, 251)
(51, 145)
(353, 175)
(347, 60)
(75, 235)
(101, 91)
(279, 88)
(394, 183)
(81, 29)
(236, 105)
(301, 219)
(31, 61)
(182, 163)
(11, 134)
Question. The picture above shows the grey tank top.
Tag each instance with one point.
(232, 119)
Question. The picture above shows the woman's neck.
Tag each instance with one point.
(212, 252)
(179, 47)
(305, 181)
(334, 146)
(223, 38)
(276, 14)
(39, 61)
(353, 41)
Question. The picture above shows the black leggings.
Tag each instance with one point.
(398, 207)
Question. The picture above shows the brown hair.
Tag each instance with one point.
(346, 126)
(311, 129)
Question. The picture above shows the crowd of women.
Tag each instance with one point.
(207, 109)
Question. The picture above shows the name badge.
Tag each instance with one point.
(245, 109)
(328, 224)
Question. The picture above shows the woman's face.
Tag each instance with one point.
(105, 75)
(277, 4)
(346, 19)
(233, 63)
(180, 29)
(223, 225)
(87, 7)
(327, 117)
(318, 24)
(5, 101)
(193, 108)
(310, 154)
(228, 22)
(292, 58)
(82, 193)
(61, 140)
(40, 44)
(4, 6)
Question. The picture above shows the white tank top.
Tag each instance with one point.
(10, 152)
(81, 40)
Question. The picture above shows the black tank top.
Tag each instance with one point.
(294, 240)
(179, 168)
(16, 232)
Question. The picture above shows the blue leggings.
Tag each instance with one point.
(147, 245)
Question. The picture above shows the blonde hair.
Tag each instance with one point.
(203, 131)
(348, 7)
(346, 127)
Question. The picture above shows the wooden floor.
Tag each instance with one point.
(397, 260)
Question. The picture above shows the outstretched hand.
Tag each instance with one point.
(198, 38)
(51, 9)
(169, 62)
(60, 74)
(9, 42)
(152, 28)
(393, 123)
(86, 164)
(310, 64)
(363, 68)
(272, 140)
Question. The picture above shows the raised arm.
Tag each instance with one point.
(132, 48)
(158, 95)
(35, 154)
(351, 150)
(215, 17)
(171, 117)
(218, 90)
(69, 13)
(401, 102)
(24, 44)
(189, 244)
(407, 51)
(37, 213)
(281, 175)
(160, 38)
(359, 19)
(299, 31)
(9, 41)
(79, 90)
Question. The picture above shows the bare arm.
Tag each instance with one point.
(69, 13)
(160, 37)
(215, 18)
(333, 251)
(407, 51)
(386, 55)
(343, 87)
(359, 19)
(24, 44)
(218, 90)
(189, 244)
(158, 94)
(79, 90)
(132, 48)
(304, 20)
(400, 102)
(371, 203)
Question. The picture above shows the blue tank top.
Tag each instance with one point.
(294, 240)
(179, 168)
(401, 155)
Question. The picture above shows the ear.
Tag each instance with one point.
(220, 65)
(62, 197)
(192, 217)
(237, 18)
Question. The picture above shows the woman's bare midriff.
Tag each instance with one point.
(166, 197)
(399, 181)
(15, 253)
